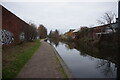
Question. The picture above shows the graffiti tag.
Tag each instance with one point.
(6, 37)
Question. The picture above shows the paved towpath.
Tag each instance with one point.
(43, 64)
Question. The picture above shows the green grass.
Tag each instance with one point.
(61, 68)
(16, 57)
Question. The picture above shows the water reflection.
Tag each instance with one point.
(106, 67)
(54, 41)
(88, 62)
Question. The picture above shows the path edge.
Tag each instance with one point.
(62, 63)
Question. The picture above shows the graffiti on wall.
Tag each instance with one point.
(22, 36)
(6, 37)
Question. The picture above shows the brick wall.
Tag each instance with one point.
(13, 26)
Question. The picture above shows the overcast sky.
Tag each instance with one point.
(62, 15)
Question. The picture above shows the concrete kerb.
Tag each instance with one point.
(63, 64)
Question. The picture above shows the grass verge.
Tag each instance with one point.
(61, 68)
(15, 58)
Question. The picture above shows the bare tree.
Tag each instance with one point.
(108, 18)
(50, 34)
(54, 34)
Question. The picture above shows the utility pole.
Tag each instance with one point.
(118, 35)
(119, 15)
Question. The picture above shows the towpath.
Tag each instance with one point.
(43, 64)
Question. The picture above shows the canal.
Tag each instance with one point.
(86, 63)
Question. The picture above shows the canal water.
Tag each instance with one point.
(84, 65)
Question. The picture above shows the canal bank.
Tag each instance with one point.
(43, 64)
(86, 64)
(63, 64)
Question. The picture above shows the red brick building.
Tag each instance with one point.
(13, 28)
